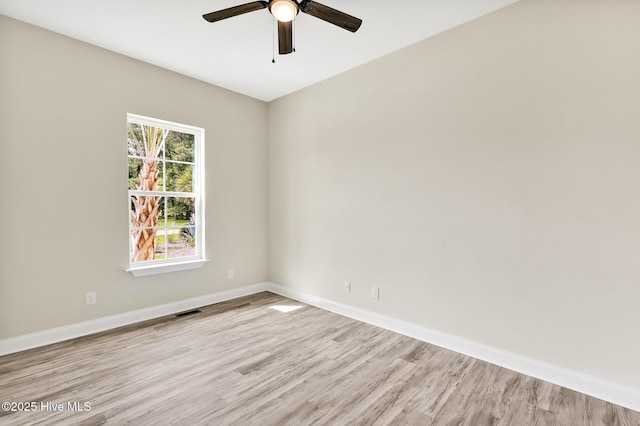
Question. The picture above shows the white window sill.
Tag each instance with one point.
(142, 271)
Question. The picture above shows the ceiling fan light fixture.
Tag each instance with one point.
(283, 10)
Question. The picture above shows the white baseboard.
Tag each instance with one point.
(580, 382)
(59, 334)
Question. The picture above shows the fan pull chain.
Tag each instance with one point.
(293, 30)
(273, 42)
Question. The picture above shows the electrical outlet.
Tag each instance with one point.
(375, 292)
(347, 286)
(90, 298)
(230, 273)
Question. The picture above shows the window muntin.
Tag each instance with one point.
(166, 203)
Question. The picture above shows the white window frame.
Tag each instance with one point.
(159, 266)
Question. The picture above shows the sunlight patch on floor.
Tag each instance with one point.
(285, 309)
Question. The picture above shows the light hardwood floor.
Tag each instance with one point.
(242, 362)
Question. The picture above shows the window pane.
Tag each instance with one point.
(179, 177)
(145, 141)
(145, 218)
(135, 164)
(145, 175)
(146, 244)
(182, 242)
(147, 211)
(134, 138)
(179, 146)
(161, 245)
(180, 210)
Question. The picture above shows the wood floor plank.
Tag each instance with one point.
(242, 362)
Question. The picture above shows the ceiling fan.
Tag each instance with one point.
(284, 11)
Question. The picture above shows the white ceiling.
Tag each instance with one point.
(236, 53)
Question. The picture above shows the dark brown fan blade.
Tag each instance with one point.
(235, 11)
(285, 37)
(331, 15)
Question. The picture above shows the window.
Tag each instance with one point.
(166, 203)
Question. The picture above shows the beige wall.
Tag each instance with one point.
(63, 213)
(487, 180)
